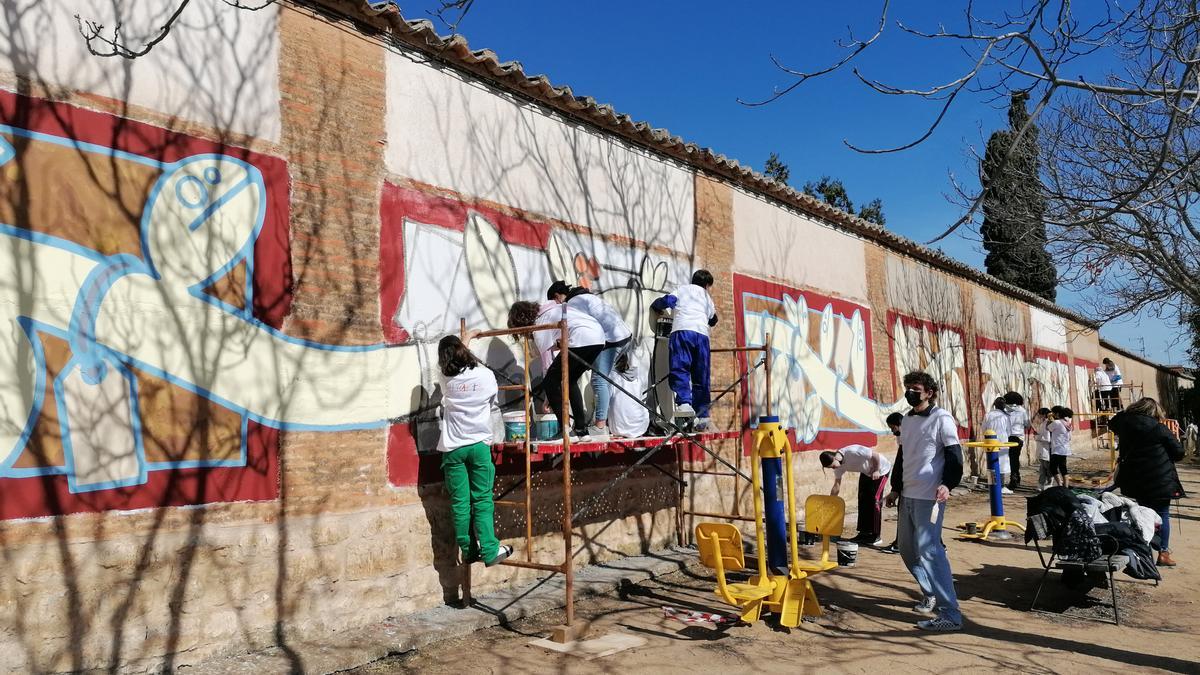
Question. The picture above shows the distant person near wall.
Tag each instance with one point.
(1018, 421)
(1103, 389)
(1115, 379)
(997, 420)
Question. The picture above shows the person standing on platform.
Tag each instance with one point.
(693, 314)
(928, 466)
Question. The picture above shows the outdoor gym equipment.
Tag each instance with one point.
(997, 525)
(781, 584)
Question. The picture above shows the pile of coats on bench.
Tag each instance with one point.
(1086, 527)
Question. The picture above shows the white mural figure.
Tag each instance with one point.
(120, 313)
(805, 381)
(913, 349)
(476, 275)
(1083, 386)
(1003, 371)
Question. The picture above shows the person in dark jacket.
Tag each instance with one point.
(1147, 452)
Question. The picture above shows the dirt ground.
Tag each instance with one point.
(868, 623)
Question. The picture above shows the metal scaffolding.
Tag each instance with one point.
(677, 438)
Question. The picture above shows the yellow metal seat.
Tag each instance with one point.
(824, 515)
(720, 546)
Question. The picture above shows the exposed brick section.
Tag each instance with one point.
(714, 252)
(332, 116)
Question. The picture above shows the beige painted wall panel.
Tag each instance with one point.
(1049, 331)
(451, 133)
(775, 242)
(219, 67)
(999, 318)
(920, 291)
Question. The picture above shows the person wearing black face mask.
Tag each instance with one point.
(928, 465)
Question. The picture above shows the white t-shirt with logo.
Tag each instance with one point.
(858, 458)
(923, 439)
(467, 402)
(613, 325)
(627, 417)
(693, 309)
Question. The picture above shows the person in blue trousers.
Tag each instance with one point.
(693, 314)
(928, 465)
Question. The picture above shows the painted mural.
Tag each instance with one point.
(821, 363)
(146, 280)
(938, 349)
(444, 260)
(1044, 380)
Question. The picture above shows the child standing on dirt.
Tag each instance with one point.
(468, 396)
(694, 313)
(1041, 423)
(1060, 443)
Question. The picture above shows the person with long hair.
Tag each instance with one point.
(617, 336)
(468, 397)
(1060, 443)
(1146, 455)
(585, 338)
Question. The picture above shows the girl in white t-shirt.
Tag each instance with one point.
(468, 396)
(1041, 423)
(1060, 443)
(628, 417)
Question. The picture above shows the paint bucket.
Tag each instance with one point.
(847, 553)
(514, 426)
(545, 428)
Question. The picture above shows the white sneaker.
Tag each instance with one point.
(1005, 491)
(685, 410)
(598, 432)
(702, 424)
(926, 605)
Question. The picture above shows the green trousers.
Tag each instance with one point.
(470, 476)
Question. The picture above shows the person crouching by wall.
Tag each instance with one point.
(585, 338)
(1147, 453)
(1060, 443)
(873, 470)
(693, 314)
(468, 396)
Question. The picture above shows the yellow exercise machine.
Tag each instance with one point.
(786, 588)
(997, 525)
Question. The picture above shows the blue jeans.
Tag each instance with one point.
(920, 543)
(601, 389)
(1163, 509)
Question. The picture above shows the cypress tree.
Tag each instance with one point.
(1014, 207)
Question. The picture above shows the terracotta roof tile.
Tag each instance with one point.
(510, 75)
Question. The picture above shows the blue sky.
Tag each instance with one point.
(683, 65)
